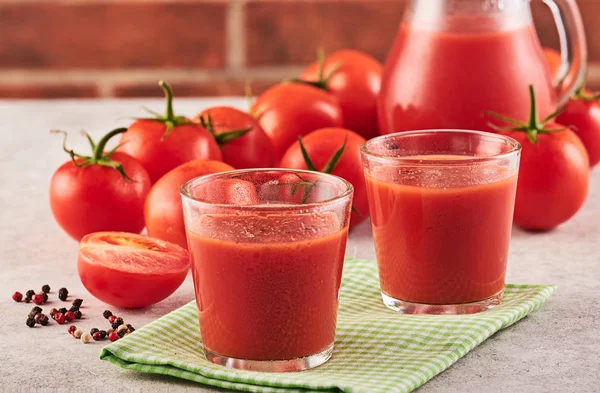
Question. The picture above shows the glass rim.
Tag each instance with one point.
(345, 194)
(515, 147)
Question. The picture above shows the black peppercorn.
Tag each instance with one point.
(45, 295)
(30, 293)
(63, 293)
(122, 333)
(46, 288)
(62, 310)
(35, 310)
(43, 320)
(27, 299)
(118, 322)
(77, 314)
(30, 322)
(130, 328)
(73, 308)
(107, 314)
(77, 302)
(103, 334)
(94, 330)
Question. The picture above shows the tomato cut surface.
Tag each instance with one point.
(128, 270)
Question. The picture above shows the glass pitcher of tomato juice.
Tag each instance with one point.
(453, 60)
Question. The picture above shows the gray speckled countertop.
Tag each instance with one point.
(555, 349)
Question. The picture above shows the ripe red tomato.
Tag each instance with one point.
(243, 142)
(130, 271)
(165, 142)
(355, 79)
(321, 146)
(163, 211)
(553, 175)
(289, 110)
(583, 112)
(103, 192)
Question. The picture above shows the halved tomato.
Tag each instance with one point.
(129, 270)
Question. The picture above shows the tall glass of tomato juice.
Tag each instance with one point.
(441, 204)
(267, 249)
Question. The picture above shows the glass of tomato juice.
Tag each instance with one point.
(441, 204)
(267, 250)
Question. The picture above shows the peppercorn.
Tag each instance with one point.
(38, 299)
(107, 314)
(72, 329)
(59, 318)
(53, 312)
(112, 319)
(43, 320)
(78, 314)
(86, 338)
(77, 302)
(109, 331)
(121, 328)
(63, 293)
(73, 308)
(119, 321)
(35, 310)
(17, 296)
(113, 336)
(37, 317)
(103, 334)
(94, 330)
(45, 296)
(30, 322)
(46, 288)
(97, 336)
(27, 299)
(62, 310)
(130, 328)
(78, 333)
(122, 333)
(30, 293)
(69, 316)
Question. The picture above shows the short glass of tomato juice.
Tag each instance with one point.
(267, 250)
(441, 204)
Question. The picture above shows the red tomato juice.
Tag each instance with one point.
(271, 294)
(444, 240)
(449, 79)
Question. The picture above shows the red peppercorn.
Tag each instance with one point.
(59, 318)
(37, 317)
(113, 336)
(17, 296)
(112, 319)
(97, 336)
(72, 329)
(38, 299)
(69, 316)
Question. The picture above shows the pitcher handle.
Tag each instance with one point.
(573, 48)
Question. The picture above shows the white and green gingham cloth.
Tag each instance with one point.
(376, 349)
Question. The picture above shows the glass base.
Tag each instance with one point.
(440, 309)
(272, 366)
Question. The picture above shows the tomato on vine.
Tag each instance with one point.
(164, 142)
(554, 171)
(101, 192)
(335, 151)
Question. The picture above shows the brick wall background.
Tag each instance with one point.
(120, 48)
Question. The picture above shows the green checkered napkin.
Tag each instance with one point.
(376, 349)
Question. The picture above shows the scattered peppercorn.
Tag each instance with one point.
(69, 316)
(59, 318)
(112, 319)
(30, 322)
(17, 296)
(122, 333)
(62, 310)
(119, 321)
(45, 295)
(107, 314)
(77, 314)
(131, 329)
(73, 308)
(35, 310)
(77, 302)
(37, 317)
(63, 293)
(30, 293)
(121, 328)
(53, 312)
(94, 330)
(46, 288)
(113, 336)
(27, 299)
(72, 329)
(97, 336)
(43, 320)
(78, 333)
(103, 334)
(38, 299)
(86, 338)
